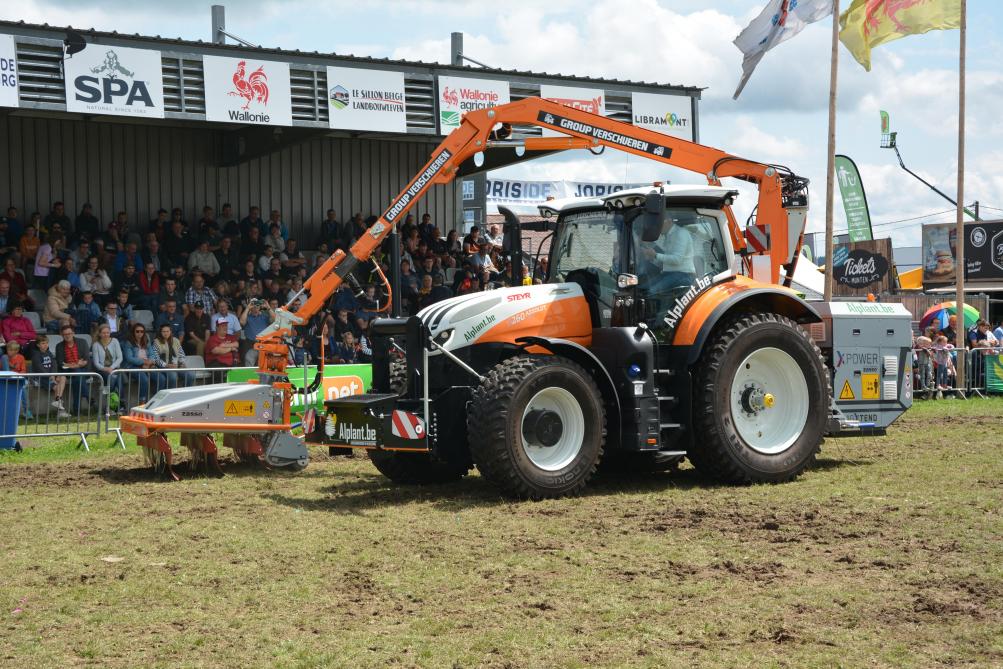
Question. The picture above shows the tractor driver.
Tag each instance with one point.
(669, 260)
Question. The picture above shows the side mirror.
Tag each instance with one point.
(653, 216)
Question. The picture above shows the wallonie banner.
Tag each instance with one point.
(242, 90)
(458, 95)
(667, 114)
(8, 72)
(366, 99)
(592, 100)
(115, 80)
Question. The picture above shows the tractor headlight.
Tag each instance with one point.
(443, 337)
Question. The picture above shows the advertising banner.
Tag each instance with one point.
(338, 381)
(114, 80)
(865, 269)
(241, 90)
(851, 187)
(531, 193)
(366, 99)
(994, 372)
(667, 114)
(939, 253)
(592, 100)
(458, 95)
(984, 251)
(8, 72)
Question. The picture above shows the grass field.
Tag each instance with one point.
(889, 553)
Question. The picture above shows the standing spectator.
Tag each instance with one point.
(980, 336)
(43, 361)
(227, 259)
(253, 320)
(221, 349)
(57, 307)
(95, 280)
(199, 292)
(196, 330)
(86, 226)
(426, 229)
(136, 355)
(358, 226)
(12, 227)
(207, 223)
(106, 357)
(204, 259)
(87, 313)
(177, 245)
(73, 355)
(57, 217)
(166, 353)
(950, 332)
(46, 259)
(28, 245)
(998, 332)
(17, 327)
(172, 318)
(944, 361)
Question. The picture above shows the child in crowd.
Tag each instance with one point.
(924, 362)
(14, 361)
(945, 362)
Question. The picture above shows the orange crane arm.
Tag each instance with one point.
(477, 133)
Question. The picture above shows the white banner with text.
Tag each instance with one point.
(114, 80)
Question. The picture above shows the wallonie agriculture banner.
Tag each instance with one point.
(366, 99)
(115, 80)
(458, 95)
(592, 100)
(243, 90)
(667, 114)
(8, 72)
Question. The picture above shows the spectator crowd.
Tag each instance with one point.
(935, 358)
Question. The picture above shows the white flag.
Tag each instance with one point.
(779, 21)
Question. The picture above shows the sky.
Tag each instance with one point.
(781, 116)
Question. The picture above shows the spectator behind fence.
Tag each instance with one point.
(106, 357)
(73, 355)
(57, 307)
(944, 360)
(14, 361)
(196, 330)
(136, 355)
(980, 336)
(43, 361)
(166, 353)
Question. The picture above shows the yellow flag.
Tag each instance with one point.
(870, 23)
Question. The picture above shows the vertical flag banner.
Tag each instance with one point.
(886, 124)
(244, 90)
(458, 95)
(851, 187)
(8, 72)
(779, 21)
(366, 99)
(870, 23)
(114, 80)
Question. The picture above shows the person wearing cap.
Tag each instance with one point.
(221, 348)
(223, 312)
(196, 330)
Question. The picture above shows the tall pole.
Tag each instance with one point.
(830, 177)
(961, 334)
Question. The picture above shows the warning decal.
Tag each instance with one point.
(239, 408)
(847, 392)
(870, 388)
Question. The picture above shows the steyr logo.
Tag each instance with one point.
(253, 88)
(110, 86)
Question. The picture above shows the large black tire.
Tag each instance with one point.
(495, 426)
(413, 468)
(719, 449)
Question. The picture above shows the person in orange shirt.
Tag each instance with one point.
(15, 362)
(28, 246)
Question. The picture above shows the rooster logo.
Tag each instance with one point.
(450, 97)
(252, 88)
(890, 8)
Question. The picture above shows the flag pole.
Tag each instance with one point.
(831, 155)
(961, 332)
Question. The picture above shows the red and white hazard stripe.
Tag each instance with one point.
(758, 237)
(406, 425)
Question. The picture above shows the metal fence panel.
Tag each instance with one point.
(51, 405)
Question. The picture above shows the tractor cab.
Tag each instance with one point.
(636, 252)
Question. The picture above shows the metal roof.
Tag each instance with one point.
(203, 46)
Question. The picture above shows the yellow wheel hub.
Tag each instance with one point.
(769, 400)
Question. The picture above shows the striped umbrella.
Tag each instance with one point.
(940, 314)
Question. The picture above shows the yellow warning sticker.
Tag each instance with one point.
(847, 392)
(239, 408)
(870, 389)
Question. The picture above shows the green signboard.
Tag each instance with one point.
(994, 373)
(339, 381)
(858, 218)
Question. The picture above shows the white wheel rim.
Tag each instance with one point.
(566, 449)
(769, 401)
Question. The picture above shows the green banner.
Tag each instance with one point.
(994, 373)
(858, 218)
(339, 381)
(886, 126)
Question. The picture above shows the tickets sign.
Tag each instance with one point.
(459, 95)
(366, 99)
(248, 91)
(114, 80)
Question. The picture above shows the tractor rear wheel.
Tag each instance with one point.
(413, 468)
(536, 426)
(761, 401)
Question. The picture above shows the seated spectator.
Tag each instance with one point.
(17, 327)
(227, 221)
(440, 291)
(57, 307)
(274, 238)
(368, 307)
(172, 318)
(73, 355)
(292, 258)
(346, 351)
(18, 286)
(160, 225)
(199, 292)
(7, 300)
(424, 291)
(106, 357)
(429, 268)
(152, 255)
(87, 313)
(149, 288)
(328, 228)
(251, 221)
(251, 244)
(127, 282)
(57, 218)
(177, 245)
(223, 313)
(266, 259)
(124, 302)
(196, 330)
(221, 349)
(136, 355)
(344, 323)
(207, 223)
(115, 321)
(472, 242)
(130, 256)
(227, 259)
(14, 361)
(166, 353)
(481, 261)
(426, 229)
(169, 291)
(181, 278)
(204, 259)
